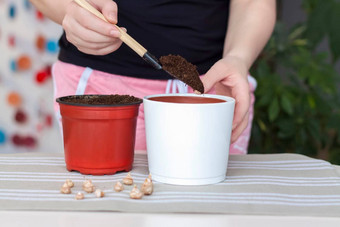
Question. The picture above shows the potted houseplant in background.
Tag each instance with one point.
(298, 100)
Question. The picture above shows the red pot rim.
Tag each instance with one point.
(60, 100)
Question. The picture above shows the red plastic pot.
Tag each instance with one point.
(99, 139)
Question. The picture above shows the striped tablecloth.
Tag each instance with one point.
(275, 184)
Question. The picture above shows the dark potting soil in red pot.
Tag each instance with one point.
(99, 132)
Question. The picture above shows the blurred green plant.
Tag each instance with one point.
(298, 100)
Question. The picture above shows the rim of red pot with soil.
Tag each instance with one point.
(126, 100)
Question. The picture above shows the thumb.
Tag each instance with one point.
(109, 9)
(215, 74)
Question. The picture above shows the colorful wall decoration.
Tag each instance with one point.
(28, 48)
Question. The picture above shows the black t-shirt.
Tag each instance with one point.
(194, 29)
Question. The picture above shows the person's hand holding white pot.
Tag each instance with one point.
(90, 34)
(229, 76)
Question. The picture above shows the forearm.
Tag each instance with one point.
(53, 9)
(251, 23)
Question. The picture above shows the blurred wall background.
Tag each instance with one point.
(28, 47)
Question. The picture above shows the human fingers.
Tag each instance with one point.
(90, 42)
(215, 74)
(89, 21)
(95, 48)
(241, 93)
(77, 41)
(100, 48)
(224, 90)
(79, 32)
(74, 30)
(109, 9)
(101, 51)
(229, 73)
(240, 128)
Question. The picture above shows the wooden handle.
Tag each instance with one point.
(126, 38)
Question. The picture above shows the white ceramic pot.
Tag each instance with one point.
(188, 144)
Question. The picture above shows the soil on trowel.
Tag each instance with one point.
(101, 99)
(183, 70)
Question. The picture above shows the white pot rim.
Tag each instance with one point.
(229, 100)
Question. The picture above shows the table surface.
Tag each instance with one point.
(89, 218)
(103, 219)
